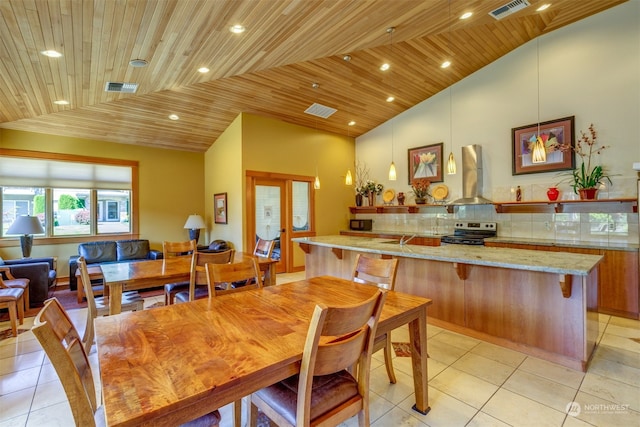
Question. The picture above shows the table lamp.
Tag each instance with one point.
(194, 224)
(27, 226)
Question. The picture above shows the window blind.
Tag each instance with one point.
(16, 171)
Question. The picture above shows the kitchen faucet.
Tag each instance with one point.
(404, 242)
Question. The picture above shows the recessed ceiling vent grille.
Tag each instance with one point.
(121, 87)
(509, 8)
(320, 110)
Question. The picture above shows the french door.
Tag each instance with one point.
(280, 207)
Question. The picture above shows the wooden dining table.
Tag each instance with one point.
(169, 365)
(148, 274)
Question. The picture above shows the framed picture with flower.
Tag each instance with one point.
(426, 162)
(558, 138)
(220, 208)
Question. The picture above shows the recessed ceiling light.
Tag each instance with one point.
(351, 123)
(203, 70)
(61, 102)
(385, 67)
(543, 7)
(174, 117)
(237, 29)
(390, 98)
(466, 15)
(51, 53)
(445, 64)
(138, 63)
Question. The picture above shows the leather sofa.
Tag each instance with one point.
(41, 273)
(110, 251)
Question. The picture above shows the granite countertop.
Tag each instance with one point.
(519, 259)
(617, 246)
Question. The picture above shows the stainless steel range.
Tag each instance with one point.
(470, 233)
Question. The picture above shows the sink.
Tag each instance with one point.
(391, 242)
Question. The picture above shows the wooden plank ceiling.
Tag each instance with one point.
(268, 70)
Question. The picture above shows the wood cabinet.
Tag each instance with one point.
(618, 280)
(418, 240)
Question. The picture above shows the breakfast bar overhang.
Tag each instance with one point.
(539, 303)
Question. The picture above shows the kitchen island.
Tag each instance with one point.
(543, 304)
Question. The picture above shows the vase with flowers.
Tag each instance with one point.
(420, 187)
(586, 179)
(369, 189)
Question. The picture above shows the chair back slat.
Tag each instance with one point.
(222, 276)
(199, 275)
(59, 339)
(376, 271)
(177, 249)
(264, 248)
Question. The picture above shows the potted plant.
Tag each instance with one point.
(420, 187)
(586, 179)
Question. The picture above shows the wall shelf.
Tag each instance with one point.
(569, 206)
(383, 209)
(623, 205)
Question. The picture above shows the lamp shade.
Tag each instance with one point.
(26, 224)
(194, 222)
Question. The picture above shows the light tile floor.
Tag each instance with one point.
(471, 383)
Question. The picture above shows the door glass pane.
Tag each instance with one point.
(113, 211)
(267, 212)
(71, 212)
(18, 201)
(300, 206)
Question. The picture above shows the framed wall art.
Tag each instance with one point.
(558, 138)
(426, 162)
(220, 208)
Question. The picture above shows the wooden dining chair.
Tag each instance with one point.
(264, 248)
(12, 300)
(99, 306)
(11, 282)
(220, 278)
(60, 340)
(174, 250)
(198, 282)
(227, 278)
(325, 393)
(382, 273)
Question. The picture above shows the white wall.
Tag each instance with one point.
(590, 70)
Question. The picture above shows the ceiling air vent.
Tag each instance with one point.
(121, 87)
(320, 110)
(509, 8)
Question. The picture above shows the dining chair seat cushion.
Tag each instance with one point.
(201, 293)
(328, 391)
(176, 287)
(99, 418)
(10, 294)
(210, 419)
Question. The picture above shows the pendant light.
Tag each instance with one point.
(316, 182)
(539, 152)
(392, 168)
(451, 162)
(348, 179)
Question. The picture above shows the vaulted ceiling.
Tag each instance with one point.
(268, 70)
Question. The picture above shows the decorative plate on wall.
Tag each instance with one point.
(388, 196)
(439, 192)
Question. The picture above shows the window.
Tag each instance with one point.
(73, 196)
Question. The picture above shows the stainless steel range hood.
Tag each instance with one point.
(471, 177)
